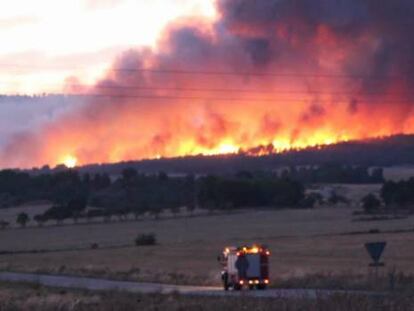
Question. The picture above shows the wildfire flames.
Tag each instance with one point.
(265, 76)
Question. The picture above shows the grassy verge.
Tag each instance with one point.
(387, 281)
(27, 297)
(391, 281)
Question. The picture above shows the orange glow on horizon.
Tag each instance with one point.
(69, 161)
(121, 148)
(223, 148)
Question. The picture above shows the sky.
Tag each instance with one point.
(46, 42)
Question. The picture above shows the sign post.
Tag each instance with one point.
(375, 250)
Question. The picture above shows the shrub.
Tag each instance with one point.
(371, 204)
(308, 201)
(145, 239)
(22, 219)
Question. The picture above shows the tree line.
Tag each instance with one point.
(75, 195)
(335, 173)
(394, 195)
(381, 152)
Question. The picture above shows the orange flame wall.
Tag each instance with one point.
(289, 74)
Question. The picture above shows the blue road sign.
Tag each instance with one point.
(375, 250)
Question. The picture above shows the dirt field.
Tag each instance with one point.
(303, 242)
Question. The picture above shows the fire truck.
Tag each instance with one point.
(245, 267)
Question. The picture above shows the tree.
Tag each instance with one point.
(308, 201)
(75, 216)
(40, 219)
(162, 176)
(371, 204)
(94, 213)
(377, 175)
(120, 213)
(190, 207)
(128, 177)
(190, 194)
(22, 219)
(138, 211)
(155, 211)
(175, 210)
(107, 215)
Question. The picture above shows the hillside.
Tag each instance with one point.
(389, 151)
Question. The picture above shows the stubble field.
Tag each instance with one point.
(326, 241)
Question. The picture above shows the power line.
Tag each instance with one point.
(233, 73)
(232, 99)
(232, 90)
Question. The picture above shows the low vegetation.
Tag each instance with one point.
(399, 194)
(145, 239)
(395, 197)
(76, 196)
(335, 173)
(387, 281)
(32, 298)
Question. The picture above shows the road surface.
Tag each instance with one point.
(139, 287)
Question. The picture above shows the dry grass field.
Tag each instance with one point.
(303, 243)
(24, 297)
(10, 214)
(354, 193)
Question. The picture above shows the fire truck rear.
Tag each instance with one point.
(245, 267)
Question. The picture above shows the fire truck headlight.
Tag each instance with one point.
(241, 282)
(266, 281)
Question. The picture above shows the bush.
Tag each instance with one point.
(371, 204)
(308, 201)
(22, 219)
(145, 239)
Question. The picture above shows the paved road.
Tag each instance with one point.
(102, 284)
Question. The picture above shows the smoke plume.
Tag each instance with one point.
(280, 73)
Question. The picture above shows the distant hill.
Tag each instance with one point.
(388, 151)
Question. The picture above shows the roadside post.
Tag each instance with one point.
(375, 250)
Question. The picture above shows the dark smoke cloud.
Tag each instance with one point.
(389, 21)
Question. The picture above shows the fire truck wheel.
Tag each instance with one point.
(225, 285)
(251, 287)
(225, 279)
(261, 286)
(237, 287)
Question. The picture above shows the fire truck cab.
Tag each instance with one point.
(245, 267)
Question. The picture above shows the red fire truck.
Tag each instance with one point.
(245, 267)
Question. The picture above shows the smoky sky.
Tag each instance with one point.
(360, 52)
(389, 22)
